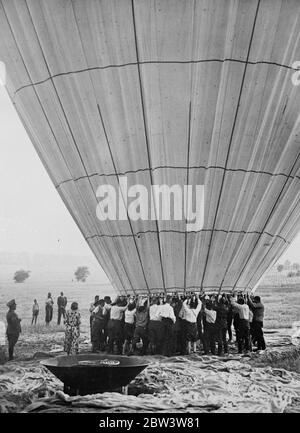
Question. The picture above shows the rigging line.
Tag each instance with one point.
(182, 167)
(230, 143)
(156, 62)
(146, 133)
(193, 232)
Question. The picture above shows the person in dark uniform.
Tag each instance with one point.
(13, 327)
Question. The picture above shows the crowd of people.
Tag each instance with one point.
(157, 324)
(174, 324)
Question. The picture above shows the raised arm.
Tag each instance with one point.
(249, 302)
(173, 317)
(199, 306)
(184, 304)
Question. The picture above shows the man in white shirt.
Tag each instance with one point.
(155, 329)
(168, 320)
(129, 326)
(190, 313)
(243, 336)
(209, 337)
(114, 327)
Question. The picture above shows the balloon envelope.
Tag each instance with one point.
(165, 92)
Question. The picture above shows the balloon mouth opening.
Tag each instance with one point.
(2, 74)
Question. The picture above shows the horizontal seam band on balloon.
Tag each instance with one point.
(196, 286)
(188, 232)
(156, 62)
(161, 167)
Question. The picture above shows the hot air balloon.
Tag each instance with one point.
(166, 92)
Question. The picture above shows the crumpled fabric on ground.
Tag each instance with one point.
(22, 383)
(195, 384)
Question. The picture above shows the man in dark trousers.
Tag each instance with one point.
(168, 321)
(98, 326)
(258, 310)
(13, 328)
(61, 304)
(209, 327)
(221, 323)
(243, 336)
(114, 326)
(141, 325)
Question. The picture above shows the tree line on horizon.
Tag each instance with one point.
(81, 274)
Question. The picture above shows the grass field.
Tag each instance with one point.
(26, 292)
(282, 305)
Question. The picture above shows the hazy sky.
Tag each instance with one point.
(33, 218)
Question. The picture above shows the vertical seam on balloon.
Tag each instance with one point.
(188, 148)
(229, 147)
(98, 108)
(146, 133)
(110, 152)
(188, 160)
(119, 279)
(231, 137)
